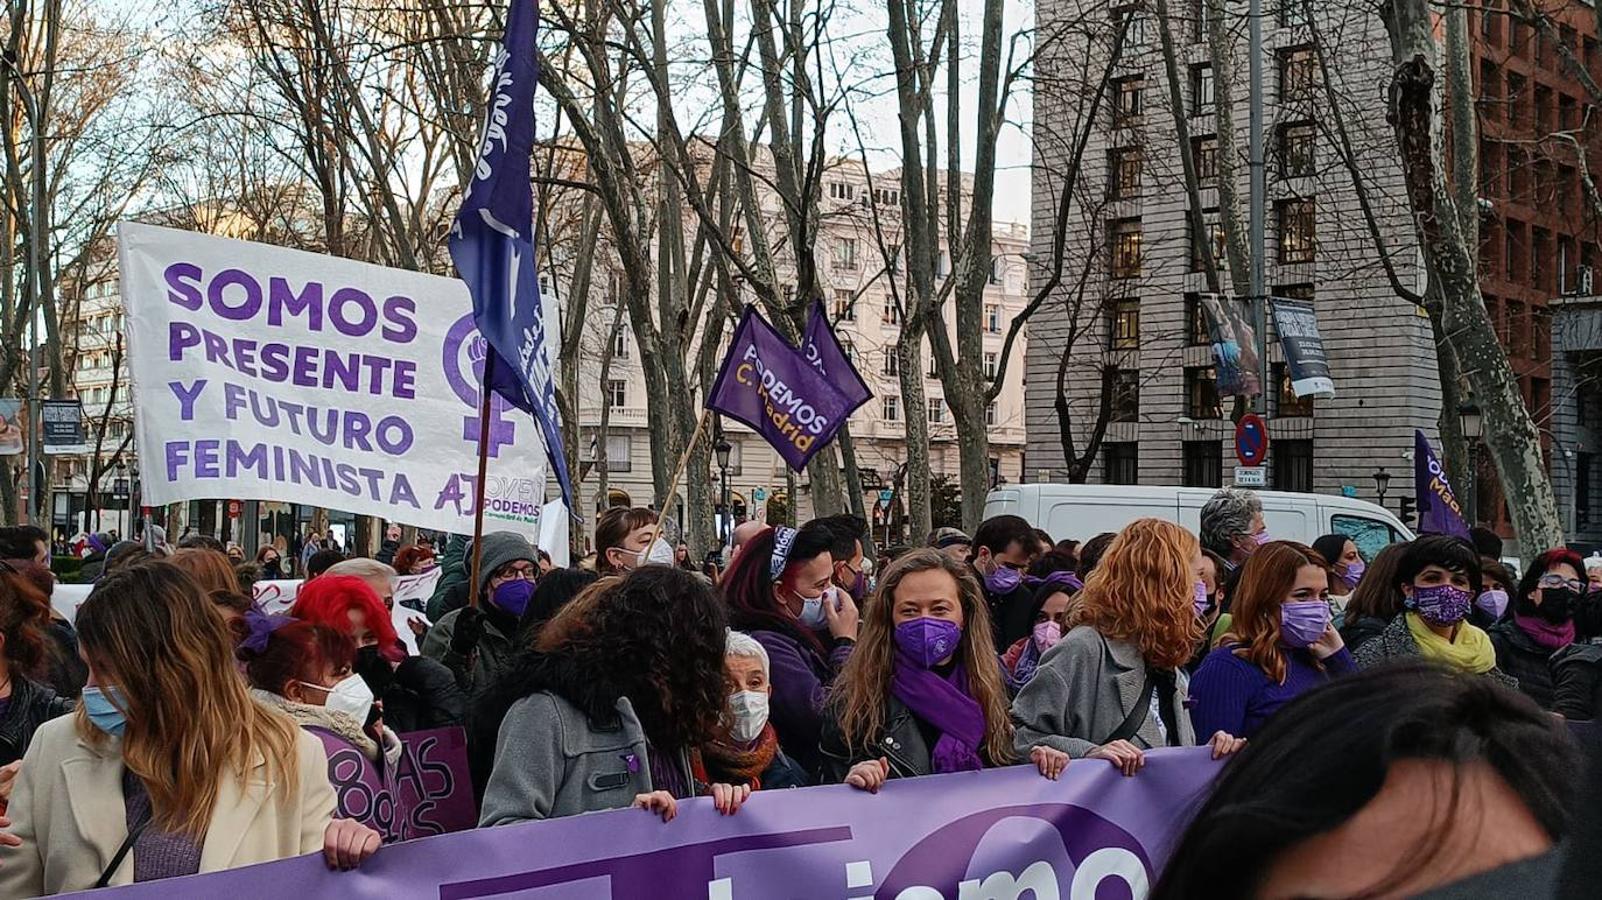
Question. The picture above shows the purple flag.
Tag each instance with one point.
(1438, 509)
(770, 386)
(999, 833)
(492, 243)
(823, 350)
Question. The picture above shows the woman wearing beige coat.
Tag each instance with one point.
(168, 768)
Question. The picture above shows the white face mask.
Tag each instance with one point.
(350, 696)
(812, 614)
(750, 710)
(660, 553)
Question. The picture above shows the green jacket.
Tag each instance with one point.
(452, 572)
(483, 667)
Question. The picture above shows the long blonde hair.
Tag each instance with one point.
(150, 632)
(864, 683)
(1141, 592)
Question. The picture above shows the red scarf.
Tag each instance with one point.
(728, 763)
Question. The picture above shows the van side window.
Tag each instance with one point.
(1370, 535)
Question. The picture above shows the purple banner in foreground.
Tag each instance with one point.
(1001, 833)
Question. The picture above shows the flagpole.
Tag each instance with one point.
(486, 396)
(684, 460)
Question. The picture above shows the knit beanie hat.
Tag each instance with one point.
(500, 548)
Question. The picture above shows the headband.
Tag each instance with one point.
(783, 540)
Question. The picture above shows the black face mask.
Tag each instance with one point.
(1557, 604)
(374, 669)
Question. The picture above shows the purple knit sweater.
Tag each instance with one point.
(156, 854)
(1232, 694)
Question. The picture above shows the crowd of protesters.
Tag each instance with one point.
(798, 657)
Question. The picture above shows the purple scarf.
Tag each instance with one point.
(1061, 578)
(945, 704)
(1552, 637)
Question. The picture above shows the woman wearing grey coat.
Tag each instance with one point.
(1114, 686)
(602, 712)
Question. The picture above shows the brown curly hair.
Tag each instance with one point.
(864, 683)
(1265, 581)
(1141, 592)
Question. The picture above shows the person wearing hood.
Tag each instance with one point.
(303, 669)
(1542, 622)
(1003, 549)
(475, 642)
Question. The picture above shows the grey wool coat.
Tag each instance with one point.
(550, 761)
(1082, 692)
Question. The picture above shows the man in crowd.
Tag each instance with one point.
(1003, 548)
(25, 542)
(952, 542)
(1232, 525)
(477, 642)
(850, 564)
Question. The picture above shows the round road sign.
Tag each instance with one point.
(1251, 440)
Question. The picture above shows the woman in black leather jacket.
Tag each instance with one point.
(24, 703)
(922, 694)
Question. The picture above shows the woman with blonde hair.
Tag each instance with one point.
(1281, 643)
(1114, 686)
(168, 768)
(923, 693)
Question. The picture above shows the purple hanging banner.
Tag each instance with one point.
(1438, 509)
(771, 386)
(1000, 833)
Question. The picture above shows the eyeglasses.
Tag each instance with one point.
(1558, 581)
(524, 571)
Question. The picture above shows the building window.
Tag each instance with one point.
(1298, 72)
(1201, 393)
(1204, 464)
(1125, 166)
(1125, 331)
(937, 410)
(1294, 13)
(1129, 94)
(1220, 242)
(1541, 326)
(1201, 89)
(990, 414)
(1125, 395)
(842, 190)
(1293, 465)
(617, 393)
(1565, 265)
(891, 407)
(620, 344)
(1296, 159)
(993, 318)
(1290, 405)
(886, 196)
(1518, 330)
(892, 313)
(1204, 152)
(619, 452)
(934, 367)
(1515, 99)
(992, 364)
(845, 306)
(892, 362)
(1198, 329)
(998, 270)
(1120, 463)
(1584, 463)
(1125, 240)
(845, 253)
(1297, 239)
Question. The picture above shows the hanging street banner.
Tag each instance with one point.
(1004, 833)
(1438, 509)
(1305, 360)
(771, 386)
(62, 432)
(822, 348)
(13, 433)
(1234, 345)
(263, 373)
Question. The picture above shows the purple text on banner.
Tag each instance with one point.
(434, 784)
(770, 386)
(1094, 833)
(1438, 509)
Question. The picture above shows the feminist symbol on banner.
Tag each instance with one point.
(463, 344)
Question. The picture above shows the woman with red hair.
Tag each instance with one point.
(1281, 642)
(415, 692)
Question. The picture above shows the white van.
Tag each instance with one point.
(1082, 511)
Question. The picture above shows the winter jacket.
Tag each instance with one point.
(1577, 682)
(900, 742)
(800, 677)
(1520, 656)
(31, 705)
(1082, 692)
(361, 772)
(67, 670)
(386, 551)
(423, 695)
(552, 761)
(484, 666)
(1356, 633)
(1396, 642)
(452, 574)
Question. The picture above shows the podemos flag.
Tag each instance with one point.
(492, 243)
(1438, 509)
(823, 351)
(771, 386)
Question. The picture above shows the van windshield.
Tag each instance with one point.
(1370, 535)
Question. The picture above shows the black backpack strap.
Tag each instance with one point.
(122, 853)
(1137, 716)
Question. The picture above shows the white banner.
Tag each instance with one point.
(263, 373)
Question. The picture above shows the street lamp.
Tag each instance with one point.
(723, 449)
(1468, 416)
(1473, 427)
(1382, 482)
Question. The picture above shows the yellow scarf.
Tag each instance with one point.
(1471, 652)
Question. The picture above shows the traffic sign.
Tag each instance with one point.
(1250, 476)
(886, 495)
(1251, 440)
(759, 494)
(234, 508)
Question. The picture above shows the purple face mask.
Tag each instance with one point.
(1493, 601)
(1003, 580)
(1199, 598)
(1046, 635)
(1354, 573)
(1261, 537)
(1303, 622)
(925, 641)
(513, 596)
(1441, 604)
